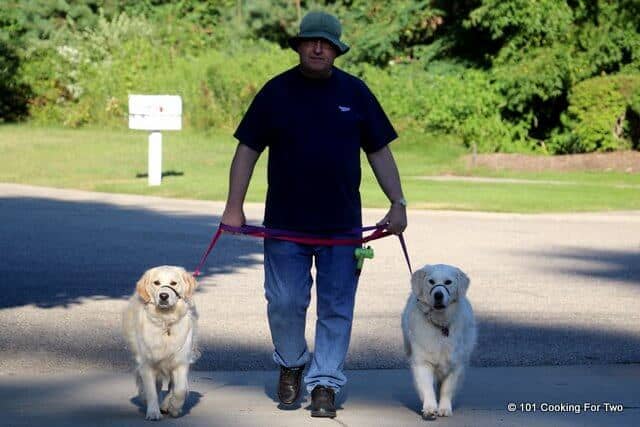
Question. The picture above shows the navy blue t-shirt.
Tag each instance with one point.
(314, 129)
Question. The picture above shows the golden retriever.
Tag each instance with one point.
(439, 334)
(160, 327)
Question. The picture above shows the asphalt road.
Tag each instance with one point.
(546, 289)
(538, 396)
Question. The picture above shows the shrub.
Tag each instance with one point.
(74, 74)
(446, 98)
(85, 77)
(633, 120)
(14, 94)
(596, 115)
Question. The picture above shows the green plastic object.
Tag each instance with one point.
(361, 254)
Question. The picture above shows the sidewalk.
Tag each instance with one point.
(554, 395)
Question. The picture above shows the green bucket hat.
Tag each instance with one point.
(320, 25)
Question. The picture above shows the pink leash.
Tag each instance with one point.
(307, 239)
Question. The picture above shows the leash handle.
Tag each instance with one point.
(297, 237)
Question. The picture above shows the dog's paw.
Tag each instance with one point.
(170, 407)
(164, 406)
(429, 411)
(444, 410)
(153, 414)
(175, 412)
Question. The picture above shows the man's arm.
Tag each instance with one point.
(386, 172)
(242, 166)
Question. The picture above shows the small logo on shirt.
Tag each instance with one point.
(343, 109)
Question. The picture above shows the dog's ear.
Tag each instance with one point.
(190, 283)
(463, 282)
(141, 286)
(417, 281)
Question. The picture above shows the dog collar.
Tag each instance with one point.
(443, 328)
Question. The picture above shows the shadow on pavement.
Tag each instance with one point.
(500, 343)
(56, 252)
(607, 265)
(193, 398)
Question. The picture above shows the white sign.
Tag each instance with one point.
(155, 112)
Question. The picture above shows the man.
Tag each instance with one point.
(315, 119)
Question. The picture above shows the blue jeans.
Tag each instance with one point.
(288, 283)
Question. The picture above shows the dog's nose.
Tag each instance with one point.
(164, 296)
(438, 296)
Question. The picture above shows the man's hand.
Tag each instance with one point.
(395, 219)
(233, 217)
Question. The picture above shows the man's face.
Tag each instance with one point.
(316, 57)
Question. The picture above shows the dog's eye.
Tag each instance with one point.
(447, 282)
(157, 283)
(172, 283)
(433, 282)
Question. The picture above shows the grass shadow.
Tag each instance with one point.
(164, 174)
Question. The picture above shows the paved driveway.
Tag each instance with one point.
(547, 289)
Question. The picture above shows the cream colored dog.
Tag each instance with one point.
(160, 327)
(439, 334)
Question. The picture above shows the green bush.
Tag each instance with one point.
(86, 77)
(522, 24)
(504, 75)
(446, 98)
(596, 115)
(14, 93)
(380, 34)
(633, 120)
(80, 77)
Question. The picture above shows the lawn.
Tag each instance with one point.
(196, 165)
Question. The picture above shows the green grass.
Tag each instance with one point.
(113, 160)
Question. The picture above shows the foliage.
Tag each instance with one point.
(91, 76)
(594, 120)
(81, 77)
(633, 120)
(446, 98)
(506, 75)
(41, 19)
(274, 20)
(379, 34)
(14, 94)
(522, 24)
(535, 88)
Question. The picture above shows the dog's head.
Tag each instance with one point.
(439, 285)
(164, 286)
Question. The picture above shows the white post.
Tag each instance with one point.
(155, 158)
(155, 113)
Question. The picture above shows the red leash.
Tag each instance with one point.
(307, 239)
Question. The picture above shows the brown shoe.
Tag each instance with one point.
(323, 402)
(289, 384)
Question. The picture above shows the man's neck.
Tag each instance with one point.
(315, 74)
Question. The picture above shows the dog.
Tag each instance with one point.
(159, 325)
(439, 333)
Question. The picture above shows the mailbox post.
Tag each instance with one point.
(155, 113)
